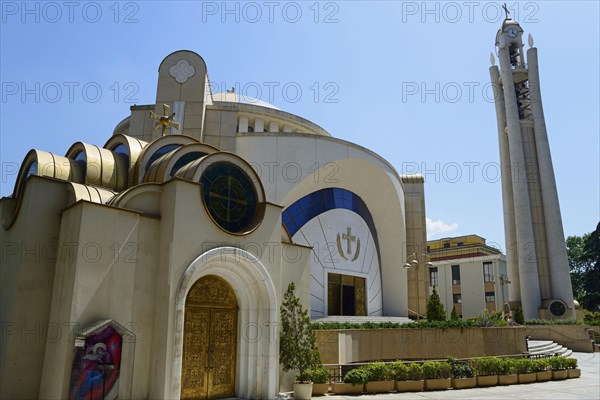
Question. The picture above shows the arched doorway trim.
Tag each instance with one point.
(257, 357)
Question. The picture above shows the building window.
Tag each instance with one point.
(488, 275)
(446, 245)
(490, 297)
(456, 274)
(460, 243)
(457, 298)
(433, 276)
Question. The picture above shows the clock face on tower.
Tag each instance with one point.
(230, 197)
(513, 32)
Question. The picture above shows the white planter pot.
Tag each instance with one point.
(303, 391)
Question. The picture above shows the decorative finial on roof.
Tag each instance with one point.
(530, 40)
(506, 10)
(492, 58)
(232, 90)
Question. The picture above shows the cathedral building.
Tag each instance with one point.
(154, 266)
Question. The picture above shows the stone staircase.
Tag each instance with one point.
(547, 347)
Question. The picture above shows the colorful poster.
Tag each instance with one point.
(96, 367)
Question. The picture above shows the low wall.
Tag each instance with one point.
(349, 345)
(575, 337)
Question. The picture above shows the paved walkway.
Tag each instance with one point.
(585, 387)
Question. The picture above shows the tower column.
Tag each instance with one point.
(514, 290)
(529, 281)
(560, 278)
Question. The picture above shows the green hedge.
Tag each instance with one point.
(394, 325)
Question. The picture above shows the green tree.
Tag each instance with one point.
(297, 341)
(584, 261)
(577, 265)
(454, 314)
(435, 308)
(519, 317)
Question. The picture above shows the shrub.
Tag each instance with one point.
(487, 319)
(519, 317)
(506, 366)
(394, 325)
(524, 365)
(557, 363)
(454, 314)
(591, 317)
(317, 375)
(357, 376)
(377, 371)
(567, 321)
(399, 371)
(415, 372)
(436, 370)
(435, 308)
(460, 369)
(571, 363)
(541, 365)
(486, 365)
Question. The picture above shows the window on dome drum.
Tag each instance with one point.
(81, 159)
(456, 274)
(490, 297)
(457, 298)
(346, 295)
(186, 158)
(433, 276)
(488, 274)
(32, 169)
(229, 196)
(160, 152)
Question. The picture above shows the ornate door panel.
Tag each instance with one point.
(209, 341)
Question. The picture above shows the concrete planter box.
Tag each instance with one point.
(573, 373)
(560, 375)
(303, 391)
(410, 386)
(438, 384)
(379, 386)
(508, 379)
(320, 389)
(544, 376)
(487, 380)
(346, 388)
(464, 383)
(527, 378)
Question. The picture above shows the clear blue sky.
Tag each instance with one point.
(367, 59)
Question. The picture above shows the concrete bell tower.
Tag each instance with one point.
(535, 242)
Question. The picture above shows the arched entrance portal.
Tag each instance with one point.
(209, 340)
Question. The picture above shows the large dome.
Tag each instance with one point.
(237, 98)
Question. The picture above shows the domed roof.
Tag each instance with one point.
(233, 97)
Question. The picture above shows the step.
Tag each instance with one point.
(547, 347)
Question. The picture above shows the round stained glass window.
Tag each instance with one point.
(230, 197)
(558, 308)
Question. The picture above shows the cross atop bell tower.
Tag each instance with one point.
(535, 242)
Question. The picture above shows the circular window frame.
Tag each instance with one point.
(249, 172)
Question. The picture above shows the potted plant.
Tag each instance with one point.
(462, 374)
(558, 365)
(507, 374)
(572, 370)
(409, 378)
(542, 370)
(297, 342)
(437, 375)
(320, 378)
(486, 369)
(379, 377)
(354, 381)
(524, 367)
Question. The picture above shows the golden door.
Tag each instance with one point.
(209, 340)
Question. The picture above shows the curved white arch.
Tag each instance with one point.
(257, 360)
